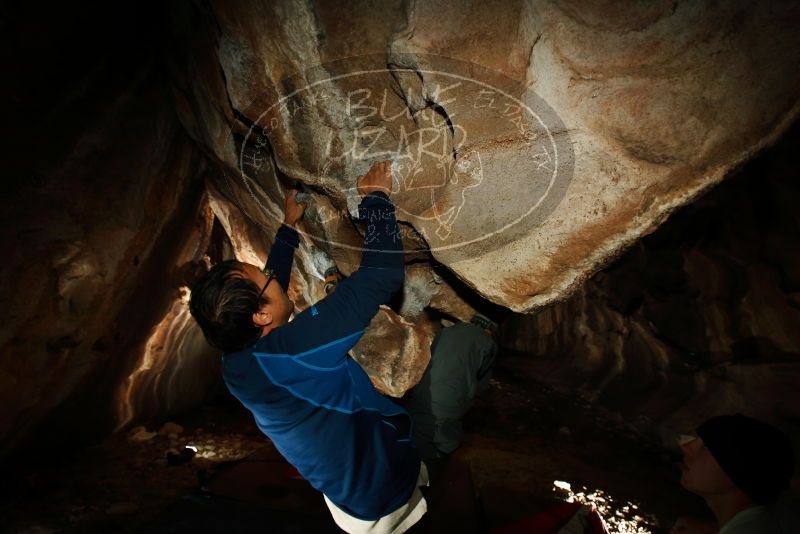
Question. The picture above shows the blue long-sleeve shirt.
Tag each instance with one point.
(315, 403)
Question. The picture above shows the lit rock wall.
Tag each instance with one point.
(104, 218)
(635, 108)
(533, 142)
(698, 319)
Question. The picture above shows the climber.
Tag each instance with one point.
(315, 403)
(741, 467)
(462, 360)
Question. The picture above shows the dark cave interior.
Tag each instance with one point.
(106, 218)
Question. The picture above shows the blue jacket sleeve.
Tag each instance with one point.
(281, 254)
(349, 309)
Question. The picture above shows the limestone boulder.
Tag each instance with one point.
(533, 141)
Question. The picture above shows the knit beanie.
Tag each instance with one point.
(756, 456)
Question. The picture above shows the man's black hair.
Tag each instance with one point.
(223, 306)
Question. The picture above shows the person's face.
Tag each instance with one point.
(700, 472)
(279, 309)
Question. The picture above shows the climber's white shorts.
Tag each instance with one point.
(396, 522)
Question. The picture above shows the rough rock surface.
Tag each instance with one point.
(521, 167)
(643, 107)
(104, 221)
(698, 319)
(125, 182)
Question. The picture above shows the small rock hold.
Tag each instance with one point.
(135, 430)
(564, 431)
(170, 428)
(141, 434)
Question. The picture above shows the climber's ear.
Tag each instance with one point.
(263, 317)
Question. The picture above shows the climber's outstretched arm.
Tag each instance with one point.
(341, 317)
(281, 254)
